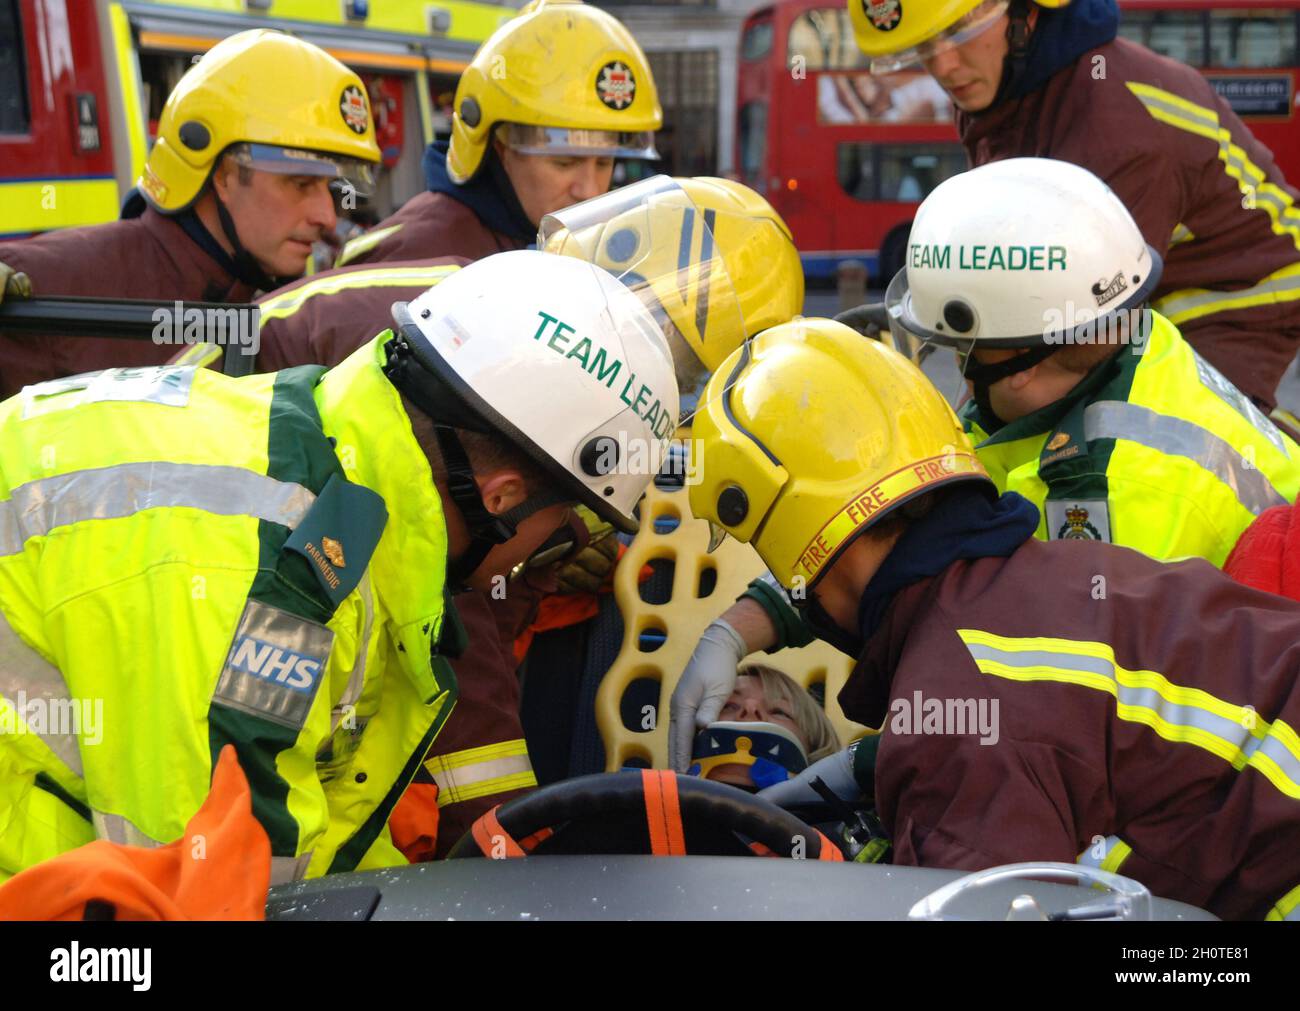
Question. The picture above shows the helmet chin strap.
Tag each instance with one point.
(984, 376)
(486, 530)
(247, 269)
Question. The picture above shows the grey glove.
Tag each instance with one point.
(705, 686)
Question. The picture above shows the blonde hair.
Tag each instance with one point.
(814, 725)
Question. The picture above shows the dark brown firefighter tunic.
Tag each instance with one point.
(146, 257)
(1121, 715)
(1174, 152)
(321, 320)
(429, 224)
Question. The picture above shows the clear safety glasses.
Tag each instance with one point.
(343, 172)
(965, 28)
(558, 141)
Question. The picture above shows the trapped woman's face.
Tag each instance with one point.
(748, 704)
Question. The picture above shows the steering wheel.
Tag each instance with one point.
(642, 811)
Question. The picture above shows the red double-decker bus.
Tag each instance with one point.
(846, 157)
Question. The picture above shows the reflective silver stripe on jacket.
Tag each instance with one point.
(27, 678)
(1117, 419)
(40, 506)
(117, 829)
(287, 869)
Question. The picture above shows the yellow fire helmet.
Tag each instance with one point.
(808, 435)
(903, 33)
(277, 103)
(562, 78)
(710, 257)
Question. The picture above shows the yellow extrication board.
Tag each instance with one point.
(674, 628)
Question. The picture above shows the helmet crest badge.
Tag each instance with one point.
(616, 86)
(885, 15)
(352, 106)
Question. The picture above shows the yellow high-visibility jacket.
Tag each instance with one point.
(1154, 450)
(188, 561)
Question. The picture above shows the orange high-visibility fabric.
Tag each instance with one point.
(220, 869)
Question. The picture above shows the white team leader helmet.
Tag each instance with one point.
(558, 357)
(1022, 253)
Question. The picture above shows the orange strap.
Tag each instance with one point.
(530, 843)
(829, 850)
(761, 850)
(489, 835)
(663, 812)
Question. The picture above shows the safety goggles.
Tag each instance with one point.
(965, 28)
(558, 141)
(343, 172)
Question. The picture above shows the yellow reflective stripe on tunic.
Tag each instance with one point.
(380, 277)
(364, 243)
(1177, 112)
(1114, 852)
(1119, 419)
(1193, 303)
(1236, 734)
(36, 508)
(480, 772)
(1287, 907)
(1181, 234)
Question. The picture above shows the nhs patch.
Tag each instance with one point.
(275, 665)
(271, 663)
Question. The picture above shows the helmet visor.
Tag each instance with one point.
(345, 173)
(965, 28)
(655, 239)
(908, 335)
(556, 140)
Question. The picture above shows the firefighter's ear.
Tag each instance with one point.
(223, 177)
(227, 173)
(502, 489)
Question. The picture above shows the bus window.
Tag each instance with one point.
(757, 41)
(900, 173)
(823, 39)
(753, 144)
(1260, 38)
(1178, 35)
(15, 117)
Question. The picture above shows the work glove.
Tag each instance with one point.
(870, 320)
(836, 771)
(14, 283)
(705, 685)
(592, 565)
